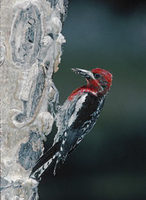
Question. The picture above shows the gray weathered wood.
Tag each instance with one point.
(30, 41)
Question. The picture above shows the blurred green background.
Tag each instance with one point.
(110, 164)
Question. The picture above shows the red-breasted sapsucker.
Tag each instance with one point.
(76, 117)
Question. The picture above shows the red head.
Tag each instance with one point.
(98, 79)
(104, 78)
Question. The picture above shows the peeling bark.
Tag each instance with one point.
(30, 42)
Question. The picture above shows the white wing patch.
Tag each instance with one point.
(77, 108)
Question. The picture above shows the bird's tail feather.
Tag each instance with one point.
(60, 159)
(45, 161)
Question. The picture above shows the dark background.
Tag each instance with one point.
(110, 164)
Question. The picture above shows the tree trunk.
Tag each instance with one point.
(31, 42)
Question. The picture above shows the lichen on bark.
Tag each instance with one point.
(30, 42)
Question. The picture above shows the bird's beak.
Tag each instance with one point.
(85, 73)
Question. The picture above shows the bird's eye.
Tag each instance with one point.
(97, 75)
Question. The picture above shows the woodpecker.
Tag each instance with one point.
(76, 117)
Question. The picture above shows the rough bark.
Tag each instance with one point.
(31, 42)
